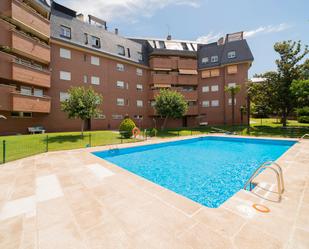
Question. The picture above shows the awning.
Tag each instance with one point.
(162, 69)
(187, 71)
(162, 85)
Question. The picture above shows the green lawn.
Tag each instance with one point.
(25, 145)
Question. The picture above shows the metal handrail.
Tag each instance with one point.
(278, 172)
(221, 130)
(303, 136)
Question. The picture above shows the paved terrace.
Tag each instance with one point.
(74, 200)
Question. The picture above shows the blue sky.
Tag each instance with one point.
(265, 21)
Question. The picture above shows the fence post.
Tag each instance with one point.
(4, 150)
(90, 139)
(178, 133)
(191, 132)
(46, 143)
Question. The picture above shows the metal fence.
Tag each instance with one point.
(17, 147)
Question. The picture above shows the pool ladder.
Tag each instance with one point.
(278, 172)
(305, 135)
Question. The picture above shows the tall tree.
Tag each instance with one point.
(82, 103)
(233, 90)
(170, 104)
(300, 90)
(289, 68)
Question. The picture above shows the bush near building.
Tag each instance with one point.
(126, 127)
(303, 115)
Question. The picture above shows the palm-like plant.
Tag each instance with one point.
(233, 90)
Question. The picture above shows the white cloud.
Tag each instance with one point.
(212, 37)
(266, 30)
(128, 10)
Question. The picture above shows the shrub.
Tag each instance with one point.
(153, 132)
(303, 111)
(303, 119)
(126, 127)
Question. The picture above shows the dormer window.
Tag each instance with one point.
(184, 46)
(120, 50)
(214, 58)
(231, 54)
(205, 60)
(139, 56)
(162, 44)
(65, 32)
(95, 42)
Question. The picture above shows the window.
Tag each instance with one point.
(21, 114)
(25, 90)
(139, 103)
(65, 75)
(117, 116)
(214, 58)
(38, 92)
(139, 56)
(231, 84)
(120, 101)
(139, 87)
(231, 54)
(95, 80)
(65, 53)
(162, 44)
(65, 32)
(86, 38)
(184, 46)
(64, 96)
(95, 60)
(129, 54)
(215, 72)
(230, 101)
(138, 116)
(215, 103)
(85, 79)
(139, 71)
(100, 116)
(120, 67)
(152, 103)
(215, 88)
(205, 103)
(205, 60)
(120, 50)
(206, 74)
(95, 42)
(205, 89)
(120, 84)
(232, 69)
(85, 57)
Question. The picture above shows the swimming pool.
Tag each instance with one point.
(207, 170)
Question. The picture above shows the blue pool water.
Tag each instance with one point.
(207, 170)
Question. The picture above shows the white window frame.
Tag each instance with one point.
(38, 92)
(230, 101)
(139, 56)
(120, 84)
(64, 75)
(95, 60)
(26, 90)
(117, 116)
(139, 87)
(214, 58)
(231, 54)
(63, 96)
(205, 60)
(95, 80)
(215, 88)
(205, 103)
(65, 32)
(139, 71)
(120, 101)
(139, 103)
(205, 89)
(85, 78)
(65, 53)
(120, 67)
(215, 103)
(231, 85)
(121, 50)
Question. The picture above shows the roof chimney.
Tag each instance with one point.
(116, 31)
(169, 37)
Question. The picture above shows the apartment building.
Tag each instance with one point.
(45, 50)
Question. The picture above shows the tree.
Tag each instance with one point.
(289, 68)
(300, 91)
(233, 90)
(82, 103)
(170, 104)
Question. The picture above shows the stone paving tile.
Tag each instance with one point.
(58, 200)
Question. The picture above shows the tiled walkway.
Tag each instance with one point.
(73, 200)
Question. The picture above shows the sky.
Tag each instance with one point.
(263, 21)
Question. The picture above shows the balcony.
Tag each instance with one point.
(187, 79)
(23, 44)
(190, 64)
(189, 95)
(30, 103)
(25, 16)
(166, 79)
(192, 110)
(12, 100)
(163, 63)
